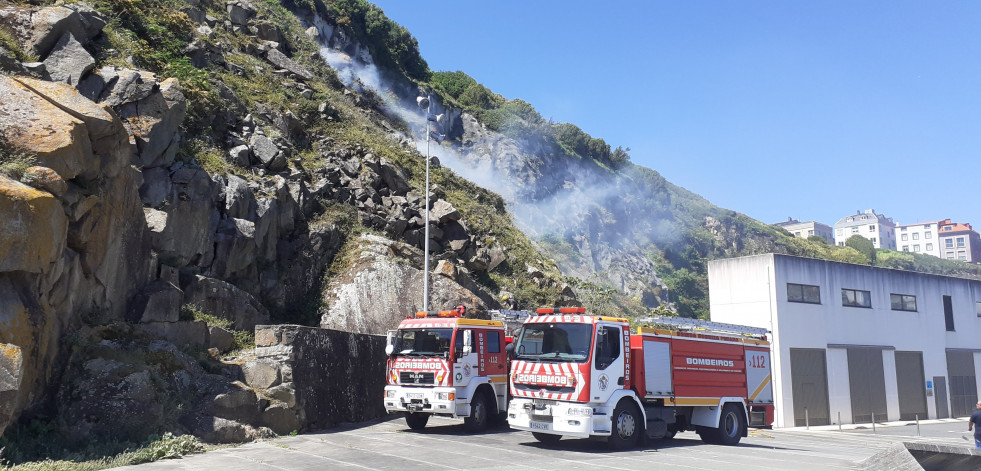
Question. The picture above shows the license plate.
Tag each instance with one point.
(413, 395)
(540, 426)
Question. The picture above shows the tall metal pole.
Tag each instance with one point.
(425, 298)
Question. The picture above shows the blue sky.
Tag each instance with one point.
(770, 108)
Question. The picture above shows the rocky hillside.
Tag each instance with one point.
(173, 174)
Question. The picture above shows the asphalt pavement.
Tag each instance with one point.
(389, 444)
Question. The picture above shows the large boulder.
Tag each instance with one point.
(68, 61)
(27, 214)
(224, 300)
(11, 373)
(384, 284)
(49, 25)
(57, 139)
(152, 110)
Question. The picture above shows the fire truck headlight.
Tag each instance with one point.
(581, 411)
(445, 396)
(390, 393)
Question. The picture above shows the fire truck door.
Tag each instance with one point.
(607, 365)
(465, 366)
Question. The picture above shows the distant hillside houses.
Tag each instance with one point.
(943, 238)
(807, 229)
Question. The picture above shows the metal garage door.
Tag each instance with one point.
(963, 382)
(912, 385)
(867, 384)
(940, 396)
(809, 378)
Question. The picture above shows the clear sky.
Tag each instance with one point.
(775, 109)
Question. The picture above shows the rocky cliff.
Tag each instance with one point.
(145, 218)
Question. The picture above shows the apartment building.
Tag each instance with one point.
(807, 229)
(878, 228)
(959, 242)
(923, 237)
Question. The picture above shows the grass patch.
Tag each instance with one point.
(44, 452)
(14, 160)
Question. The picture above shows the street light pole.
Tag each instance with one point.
(424, 102)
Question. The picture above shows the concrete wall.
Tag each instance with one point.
(753, 291)
(337, 376)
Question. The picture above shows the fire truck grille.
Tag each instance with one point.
(417, 377)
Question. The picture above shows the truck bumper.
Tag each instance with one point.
(559, 418)
(428, 400)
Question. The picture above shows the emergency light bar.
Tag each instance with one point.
(458, 312)
(562, 310)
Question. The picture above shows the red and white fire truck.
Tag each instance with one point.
(440, 363)
(587, 376)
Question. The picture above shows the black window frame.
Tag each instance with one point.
(844, 302)
(902, 302)
(803, 293)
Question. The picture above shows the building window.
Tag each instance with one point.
(905, 237)
(928, 235)
(916, 236)
(948, 228)
(950, 255)
(856, 298)
(905, 248)
(961, 255)
(949, 243)
(810, 233)
(977, 308)
(797, 293)
(903, 302)
(872, 228)
(948, 313)
(797, 234)
(916, 247)
(873, 240)
(839, 231)
(854, 229)
(960, 241)
(929, 247)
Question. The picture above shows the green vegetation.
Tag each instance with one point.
(14, 161)
(95, 456)
(391, 45)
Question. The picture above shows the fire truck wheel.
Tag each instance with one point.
(546, 438)
(627, 426)
(416, 421)
(731, 425)
(479, 413)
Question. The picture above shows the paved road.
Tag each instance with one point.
(389, 444)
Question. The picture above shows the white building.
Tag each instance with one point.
(851, 341)
(923, 238)
(807, 229)
(875, 227)
(959, 242)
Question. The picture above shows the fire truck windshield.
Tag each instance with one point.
(423, 342)
(554, 342)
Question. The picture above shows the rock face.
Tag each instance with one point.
(379, 289)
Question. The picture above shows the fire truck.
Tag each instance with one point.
(586, 376)
(441, 363)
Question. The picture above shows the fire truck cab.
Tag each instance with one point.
(440, 363)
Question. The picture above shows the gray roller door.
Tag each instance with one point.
(867, 384)
(963, 382)
(809, 378)
(912, 385)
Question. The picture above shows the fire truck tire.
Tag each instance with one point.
(732, 422)
(480, 410)
(627, 425)
(546, 438)
(416, 421)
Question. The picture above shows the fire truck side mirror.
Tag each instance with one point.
(467, 342)
(389, 343)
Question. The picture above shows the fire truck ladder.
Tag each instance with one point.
(512, 319)
(708, 327)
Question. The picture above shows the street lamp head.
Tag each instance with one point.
(423, 102)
